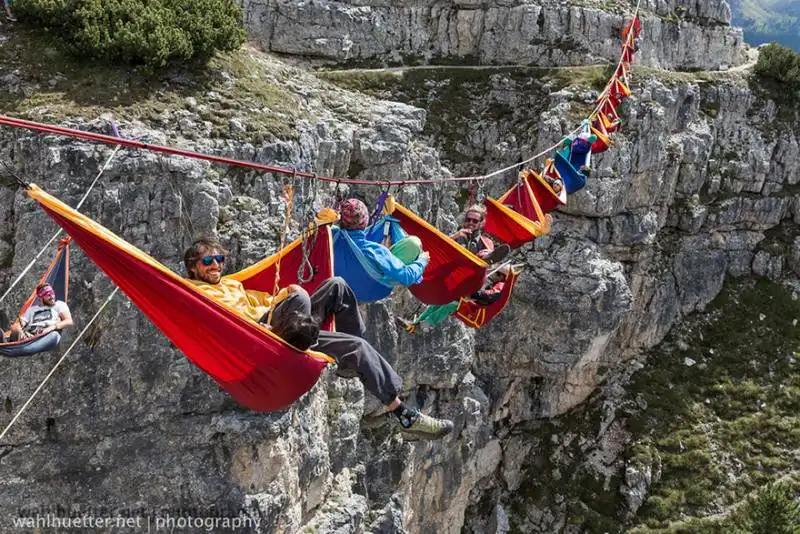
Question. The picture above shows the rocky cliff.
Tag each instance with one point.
(552, 435)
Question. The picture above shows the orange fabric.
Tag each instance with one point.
(453, 271)
(541, 190)
(474, 315)
(510, 226)
(634, 25)
(254, 366)
(617, 92)
(603, 141)
(319, 248)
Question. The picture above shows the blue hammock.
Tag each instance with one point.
(573, 179)
(57, 275)
(349, 262)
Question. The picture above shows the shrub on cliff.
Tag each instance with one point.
(774, 510)
(779, 63)
(139, 32)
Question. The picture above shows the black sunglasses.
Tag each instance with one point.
(470, 219)
(207, 260)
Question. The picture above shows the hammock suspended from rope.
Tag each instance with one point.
(542, 191)
(466, 310)
(476, 315)
(603, 141)
(560, 167)
(363, 277)
(517, 217)
(617, 92)
(257, 368)
(452, 272)
(57, 275)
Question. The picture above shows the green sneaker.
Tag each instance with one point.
(426, 427)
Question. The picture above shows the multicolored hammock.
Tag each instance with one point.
(257, 368)
(57, 275)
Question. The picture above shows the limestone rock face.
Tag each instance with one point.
(497, 32)
(699, 186)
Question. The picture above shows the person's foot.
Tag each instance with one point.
(586, 171)
(498, 254)
(426, 427)
(11, 18)
(409, 326)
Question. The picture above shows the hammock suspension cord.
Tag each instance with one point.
(58, 363)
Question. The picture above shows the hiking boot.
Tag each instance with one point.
(426, 427)
(498, 254)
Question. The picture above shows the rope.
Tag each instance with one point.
(131, 143)
(53, 370)
(58, 233)
(288, 194)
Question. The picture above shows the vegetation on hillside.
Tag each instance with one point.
(780, 64)
(149, 33)
(768, 20)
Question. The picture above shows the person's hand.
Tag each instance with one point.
(48, 329)
(424, 256)
(464, 232)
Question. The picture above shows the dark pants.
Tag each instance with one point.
(354, 355)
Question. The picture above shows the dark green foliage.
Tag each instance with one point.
(774, 510)
(781, 64)
(136, 32)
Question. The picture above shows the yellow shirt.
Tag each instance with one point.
(248, 302)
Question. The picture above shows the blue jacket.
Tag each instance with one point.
(389, 265)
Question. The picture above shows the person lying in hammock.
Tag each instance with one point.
(403, 264)
(471, 236)
(489, 293)
(46, 317)
(295, 314)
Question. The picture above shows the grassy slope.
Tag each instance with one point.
(730, 423)
(232, 85)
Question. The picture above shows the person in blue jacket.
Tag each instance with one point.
(403, 264)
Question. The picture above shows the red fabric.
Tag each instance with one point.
(634, 25)
(452, 273)
(475, 315)
(601, 144)
(548, 199)
(320, 256)
(257, 369)
(617, 92)
(505, 228)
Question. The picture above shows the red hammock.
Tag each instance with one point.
(618, 92)
(541, 190)
(475, 315)
(254, 366)
(518, 224)
(452, 272)
(603, 141)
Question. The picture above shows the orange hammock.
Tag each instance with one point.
(57, 275)
(476, 315)
(618, 92)
(452, 272)
(541, 190)
(512, 225)
(517, 218)
(257, 368)
(603, 141)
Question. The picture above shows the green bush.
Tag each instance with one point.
(139, 32)
(774, 510)
(779, 63)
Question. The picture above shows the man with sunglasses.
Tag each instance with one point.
(471, 236)
(292, 308)
(39, 319)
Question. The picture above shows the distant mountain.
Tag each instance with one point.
(768, 20)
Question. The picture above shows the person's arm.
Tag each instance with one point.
(405, 275)
(64, 321)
